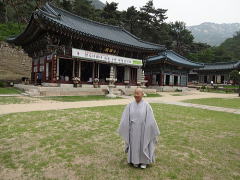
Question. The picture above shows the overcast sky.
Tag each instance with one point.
(192, 12)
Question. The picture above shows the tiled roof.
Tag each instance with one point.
(72, 23)
(221, 66)
(174, 58)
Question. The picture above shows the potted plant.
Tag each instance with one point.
(76, 81)
(95, 82)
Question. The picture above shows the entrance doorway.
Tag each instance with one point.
(86, 72)
(205, 79)
(167, 82)
(175, 80)
(65, 69)
(213, 79)
(104, 72)
(158, 79)
(120, 74)
(222, 79)
(133, 76)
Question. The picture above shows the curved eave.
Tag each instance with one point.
(216, 69)
(236, 65)
(175, 63)
(185, 65)
(63, 26)
(30, 33)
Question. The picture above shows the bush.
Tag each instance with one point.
(203, 87)
(10, 29)
(3, 84)
(178, 90)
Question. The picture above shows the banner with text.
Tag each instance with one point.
(79, 53)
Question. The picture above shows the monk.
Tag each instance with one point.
(139, 130)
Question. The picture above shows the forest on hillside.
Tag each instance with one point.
(148, 23)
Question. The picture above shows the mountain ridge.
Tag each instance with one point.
(213, 33)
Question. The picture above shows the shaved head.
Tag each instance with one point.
(138, 90)
(138, 94)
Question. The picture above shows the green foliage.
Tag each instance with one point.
(229, 50)
(148, 23)
(2, 12)
(83, 8)
(231, 46)
(182, 38)
(178, 90)
(235, 76)
(110, 15)
(220, 102)
(10, 29)
(2, 84)
(83, 144)
(78, 98)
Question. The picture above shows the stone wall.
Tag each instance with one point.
(14, 63)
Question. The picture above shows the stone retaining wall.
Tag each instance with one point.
(80, 91)
(14, 63)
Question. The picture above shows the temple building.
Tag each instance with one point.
(219, 73)
(168, 69)
(65, 47)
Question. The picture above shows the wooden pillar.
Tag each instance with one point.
(79, 69)
(73, 69)
(98, 70)
(139, 75)
(57, 68)
(44, 72)
(32, 73)
(178, 83)
(127, 75)
(93, 71)
(54, 68)
(162, 79)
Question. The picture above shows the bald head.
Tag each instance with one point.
(138, 94)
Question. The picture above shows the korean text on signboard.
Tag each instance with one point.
(79, 53)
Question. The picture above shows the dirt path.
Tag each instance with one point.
(167, 98)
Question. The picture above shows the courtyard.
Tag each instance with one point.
(57, 139)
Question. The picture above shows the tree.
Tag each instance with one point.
(130, 19)
(110, 14)
(3, 15)
(150, 24)
(229, 50)
(182, 38)
(151, 15)
(83, 8)
(235, 76)
(67, 5)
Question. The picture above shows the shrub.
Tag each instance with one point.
(178, 90)
(2, 84)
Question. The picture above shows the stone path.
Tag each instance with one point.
(167, 98)
(10, 95)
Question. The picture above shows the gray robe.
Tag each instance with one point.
(139, 129)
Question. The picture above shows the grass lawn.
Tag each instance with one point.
(221, 102)
(83, 144)
(77, 98)
(153, 95)
(212, 90)
(9, 90)
(14, 100)
(231, 86)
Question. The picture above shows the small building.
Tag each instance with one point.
(64, 46)
(219, 72)
(168, 69)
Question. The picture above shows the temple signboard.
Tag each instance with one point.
(83, 54)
